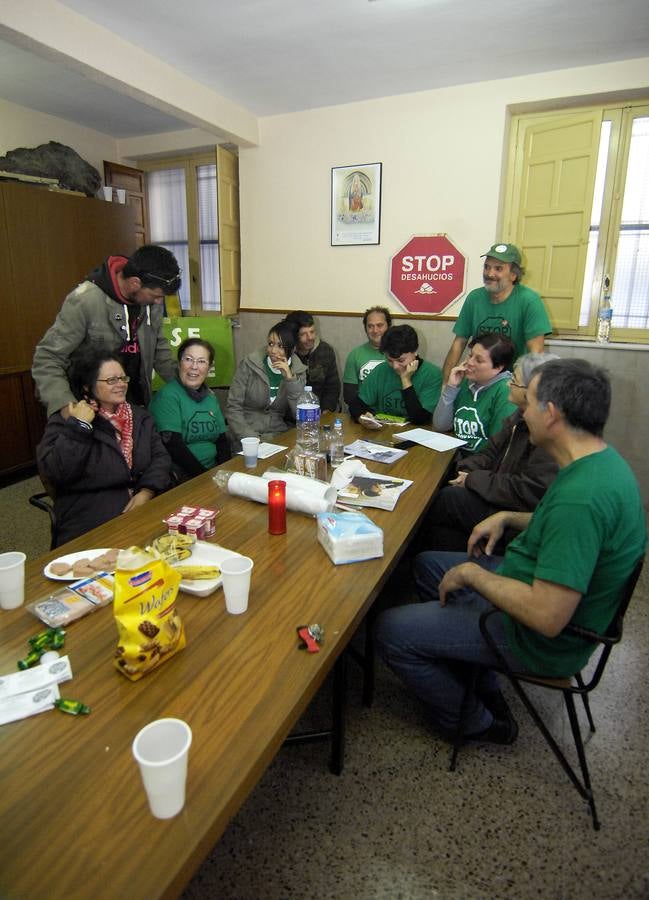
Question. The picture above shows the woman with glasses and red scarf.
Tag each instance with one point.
(106, 457)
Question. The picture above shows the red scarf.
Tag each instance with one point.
(122, 422)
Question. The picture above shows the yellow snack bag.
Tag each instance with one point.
(149, 628)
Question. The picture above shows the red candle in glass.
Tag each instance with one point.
(276, 507)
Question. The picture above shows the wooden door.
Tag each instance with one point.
(134, 183)
(549, 217)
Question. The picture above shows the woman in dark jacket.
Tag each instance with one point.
(105, 457)
(510, 473)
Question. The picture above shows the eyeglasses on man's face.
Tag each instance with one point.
(115, 379)
(190, 360)
(514, 383)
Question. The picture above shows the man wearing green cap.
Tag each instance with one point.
(503, 305)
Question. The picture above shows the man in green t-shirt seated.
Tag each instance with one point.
(569, 564)
(406, 385)
(503, 305)
(362, 359)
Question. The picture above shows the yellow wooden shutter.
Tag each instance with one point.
(227, 173)
(552, 182)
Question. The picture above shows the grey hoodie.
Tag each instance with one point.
(250, 412)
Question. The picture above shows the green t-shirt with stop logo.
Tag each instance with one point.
(520, 317)
(479, 412)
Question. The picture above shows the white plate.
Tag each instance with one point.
(71, 558)
(204, 554)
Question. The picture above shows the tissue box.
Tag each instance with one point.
(349, 537)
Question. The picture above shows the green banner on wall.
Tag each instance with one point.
(217, 330)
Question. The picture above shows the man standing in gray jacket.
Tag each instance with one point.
(117, 308)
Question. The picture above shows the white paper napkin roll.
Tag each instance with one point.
(343, 474)
(304, 495)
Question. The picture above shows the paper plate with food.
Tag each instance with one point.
(197, 561)
(83, 564)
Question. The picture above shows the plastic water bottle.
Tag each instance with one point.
(325, 440)
(308, 420)
(337, 444)
(604, 320)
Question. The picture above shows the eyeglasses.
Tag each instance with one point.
(203, 363)
(514, 383)
(170, 285)
(115, 379)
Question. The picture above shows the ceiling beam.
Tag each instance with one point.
(57, 33)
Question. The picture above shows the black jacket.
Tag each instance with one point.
(510, 473)
(323, 375)
(89, 474)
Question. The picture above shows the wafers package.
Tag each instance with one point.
(150, 630)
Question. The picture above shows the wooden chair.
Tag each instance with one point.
(579, 684)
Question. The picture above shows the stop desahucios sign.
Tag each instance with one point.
(427, 274)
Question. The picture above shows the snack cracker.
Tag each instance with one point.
(150, 630)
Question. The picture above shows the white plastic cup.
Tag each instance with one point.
(236, 572)
(250, 447)
(121, 195)
(108, 193)
(161, 749)
(12, 579)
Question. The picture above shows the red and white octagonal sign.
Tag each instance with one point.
(427, 275)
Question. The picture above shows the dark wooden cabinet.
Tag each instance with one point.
(49, 241)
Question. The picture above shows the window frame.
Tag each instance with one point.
(190, 164)
(620, 115)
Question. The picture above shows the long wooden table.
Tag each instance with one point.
(75, 821)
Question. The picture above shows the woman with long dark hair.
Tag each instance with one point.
(263, 395)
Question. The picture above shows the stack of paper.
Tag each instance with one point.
(376, 452)
(432, 439)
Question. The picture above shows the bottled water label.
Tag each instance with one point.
(604, 325)
(308, 414)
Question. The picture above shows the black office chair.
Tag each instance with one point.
(570, 687)
(45, 500)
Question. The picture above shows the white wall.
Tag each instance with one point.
(443, 154)
(22, 127)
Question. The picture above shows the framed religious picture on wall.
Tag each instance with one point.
(356, 204)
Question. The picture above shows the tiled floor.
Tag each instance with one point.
(397, 824)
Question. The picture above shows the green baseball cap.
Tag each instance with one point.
(505, 253)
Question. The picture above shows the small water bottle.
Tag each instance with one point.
(337, 444)
(604, 320)
(308, 420)
(325, 440)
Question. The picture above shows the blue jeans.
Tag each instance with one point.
(431, 647)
